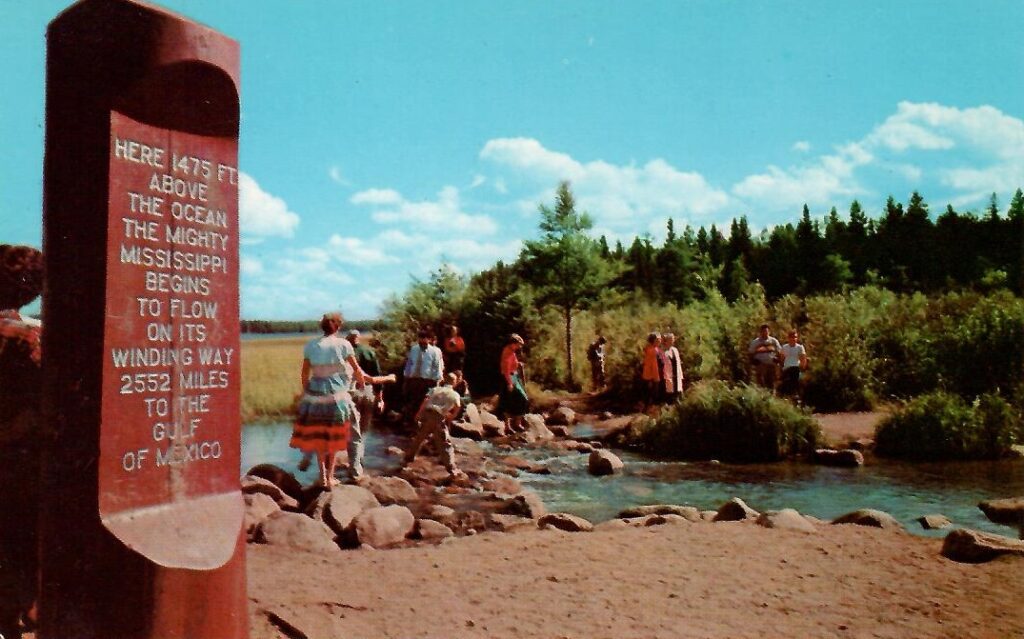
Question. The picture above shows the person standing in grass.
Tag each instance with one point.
(595, 355)
(672, 370)
(652, 373)
(794, 362)
(765, 351)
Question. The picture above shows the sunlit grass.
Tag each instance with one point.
(270, 376)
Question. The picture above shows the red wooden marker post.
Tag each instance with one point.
(141, 527)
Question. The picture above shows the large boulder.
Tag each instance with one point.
(439, 513)
(603, 462)
(562, 416)
(687, 512)
(560, 431)
(382, 526)
(390, 490)
(535, 429)
(339, 507)
(467, 429)
(786, 519)
(934, 522)
(869, 517)
(503, 485)
(1009, 512)
(472, 415)
(258, 507)
(566, 522)
(295, 530)
(253, 484)
(525, 504)
(429, 530)
(735, 510)
(493, 427)
(974, 546)
(846, 458)
(280, 478)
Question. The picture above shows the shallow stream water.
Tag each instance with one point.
(904, 490)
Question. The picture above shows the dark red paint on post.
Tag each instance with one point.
(142, 525)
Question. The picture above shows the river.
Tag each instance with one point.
(904, 490)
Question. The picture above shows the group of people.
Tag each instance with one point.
(342, 389)
(662, 370)
(767, 355)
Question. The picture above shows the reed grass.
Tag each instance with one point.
(270, 377)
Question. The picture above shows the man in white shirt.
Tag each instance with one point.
(794, 360)
(437, 409)
(424, 368)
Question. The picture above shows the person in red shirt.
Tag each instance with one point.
(513, 402)
(454, 351)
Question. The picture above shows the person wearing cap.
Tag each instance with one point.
(513, 401)
(21, 281)
(424, 369)
(436, 411)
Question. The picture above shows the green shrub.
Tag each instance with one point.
(943, 426)
(731, 423)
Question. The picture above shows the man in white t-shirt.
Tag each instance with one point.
(794, 360)
(437, 409)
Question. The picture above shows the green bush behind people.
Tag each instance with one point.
(740, 424)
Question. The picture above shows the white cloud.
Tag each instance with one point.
(376, 196)
(250, 266)
(477, 181)
(262, 214)
(337, 176)
(820, 183)
(614, 195)
(352, 250)
(803, 146)
(443, 213)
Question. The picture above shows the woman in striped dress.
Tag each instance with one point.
(326, 409)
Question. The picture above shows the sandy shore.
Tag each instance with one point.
(675, 580)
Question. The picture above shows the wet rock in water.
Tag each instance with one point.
(516, 462)
(535, 429)
(525, 504)
(467, 447)
(844, 458)
(280, 478)
(338, 508)
(579, 447)
(687, 512)
(869, 517)
(786, 519)
(1009, 512)
(440, 513)
(974, 546)
(512, 523)
(295, 530)
(428, 529)
(560, 431)
(562, 416)
(862, 444)
(603, 462)
(735, 510)
(383, 526)
(472, 415)
(258, 506)
(934, 522)
(503, 485)
(566, 522)
(389, 490)
(493, 427)
(252, 484)
(394, 451)
(467, 429)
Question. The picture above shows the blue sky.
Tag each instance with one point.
(379, 139)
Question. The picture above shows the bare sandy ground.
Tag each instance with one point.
(840, 428)
(676, 580)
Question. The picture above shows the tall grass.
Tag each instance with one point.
(271, 376)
